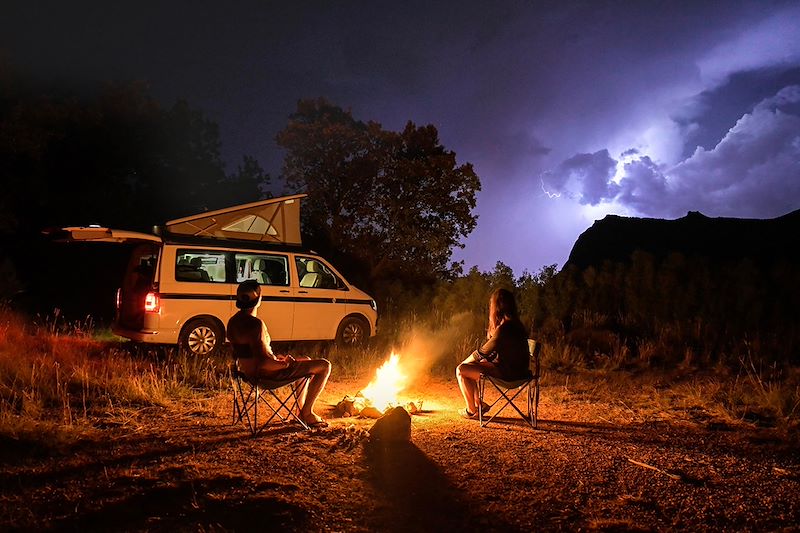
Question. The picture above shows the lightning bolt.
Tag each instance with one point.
(549, 194)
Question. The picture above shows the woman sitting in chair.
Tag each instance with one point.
(505, 354)
(252, 348)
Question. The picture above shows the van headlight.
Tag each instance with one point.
(373, 305)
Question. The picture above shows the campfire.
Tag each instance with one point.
(381, 394)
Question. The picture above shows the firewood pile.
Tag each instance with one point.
(361, 407)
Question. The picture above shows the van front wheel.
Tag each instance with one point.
(201, 337)
(352, 332)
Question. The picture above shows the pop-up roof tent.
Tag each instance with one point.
(273, 221)
(276, 220)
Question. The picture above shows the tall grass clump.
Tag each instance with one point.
(51, 376)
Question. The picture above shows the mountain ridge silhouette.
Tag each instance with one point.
(615, 238)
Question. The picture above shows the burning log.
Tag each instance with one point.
(351, 406)
(359, 406)
(370, 412)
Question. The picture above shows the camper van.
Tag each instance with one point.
(180, 283)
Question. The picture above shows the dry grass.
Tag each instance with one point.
(62, 381)
(53, 379)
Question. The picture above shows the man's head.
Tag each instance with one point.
(248, 295)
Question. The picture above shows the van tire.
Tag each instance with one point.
(201, 337)
(352, 332)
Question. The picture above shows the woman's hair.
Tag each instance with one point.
(502, 307)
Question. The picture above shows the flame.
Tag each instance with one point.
(389, 381)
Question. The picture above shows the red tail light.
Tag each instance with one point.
(119, 298)
(152, 303)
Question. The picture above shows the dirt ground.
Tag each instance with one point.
(584, 468)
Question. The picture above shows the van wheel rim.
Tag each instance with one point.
(352, 334)
(202, 340)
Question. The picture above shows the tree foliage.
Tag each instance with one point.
(394, 203)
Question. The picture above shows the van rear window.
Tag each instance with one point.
(200, 266)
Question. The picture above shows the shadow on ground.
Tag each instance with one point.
(417, 495)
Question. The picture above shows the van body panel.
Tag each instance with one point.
(360, 303)
(142, 336)
(277, 311)
(318, 312)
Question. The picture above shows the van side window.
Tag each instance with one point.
(267, 269)
(200, 266)
(313, 273)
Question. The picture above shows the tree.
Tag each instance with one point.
(393, 203)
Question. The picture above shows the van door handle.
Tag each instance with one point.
(284, 290)
(303, 292)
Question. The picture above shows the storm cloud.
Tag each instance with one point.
(754, 170)
(584, 177)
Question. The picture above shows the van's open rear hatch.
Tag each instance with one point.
(96, 234)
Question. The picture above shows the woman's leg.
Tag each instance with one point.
(468, 375)
(465, 384)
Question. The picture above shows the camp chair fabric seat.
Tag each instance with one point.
(280, 398)
(509, 390)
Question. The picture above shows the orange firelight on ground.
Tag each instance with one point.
(389, 381)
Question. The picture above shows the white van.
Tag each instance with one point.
(180, 284)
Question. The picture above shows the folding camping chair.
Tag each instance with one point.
(530, 384)
(249, 393)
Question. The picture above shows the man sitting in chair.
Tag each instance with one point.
(505, 354)
(251, 346)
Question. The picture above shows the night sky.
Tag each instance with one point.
(568, 110)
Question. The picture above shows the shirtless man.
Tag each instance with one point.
(251, 346)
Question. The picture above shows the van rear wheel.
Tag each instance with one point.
(352, 332)
(202, 337)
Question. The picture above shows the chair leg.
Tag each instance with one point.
(286, 409)
(481, 387)
(256, 428)
(531, 420)
(508, 401)
(235, 402)
(241, 409)
(246, 406)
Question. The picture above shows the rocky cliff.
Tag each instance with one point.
(615, 238)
